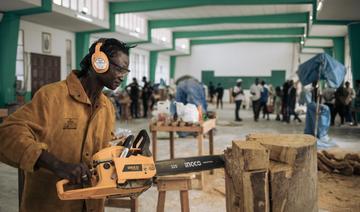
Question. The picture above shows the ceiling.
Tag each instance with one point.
(220, 16)
(202, 15)
(9, 5)
(224, 11)
(340, 10)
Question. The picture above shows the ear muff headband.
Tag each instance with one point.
(99, 60)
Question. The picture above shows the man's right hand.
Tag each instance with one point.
(75, 173)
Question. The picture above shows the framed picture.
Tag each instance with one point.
(46, 42)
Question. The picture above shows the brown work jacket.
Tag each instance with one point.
(59, 119)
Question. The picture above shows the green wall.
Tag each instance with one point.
(9, 29)
(339, 49)
(354, 40)
(277, 78)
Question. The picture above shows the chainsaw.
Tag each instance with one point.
(127, 170)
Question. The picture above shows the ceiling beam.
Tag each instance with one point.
(265, 31)
(274, 18)
(219, 41)
(146, 5)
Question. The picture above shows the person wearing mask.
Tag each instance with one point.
(238, 95)
(220, 94)
(255, 91)
(134, 96)
(54, 136)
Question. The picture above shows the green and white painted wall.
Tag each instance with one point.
(238, 59)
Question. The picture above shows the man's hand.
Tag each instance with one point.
(75, 173)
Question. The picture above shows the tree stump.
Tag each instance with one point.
(270, 172)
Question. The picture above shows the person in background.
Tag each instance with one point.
(54, 136)
(277, 103)
(238, 95)
(340, 98)
(255, 91)
(348, 101)
(146, 95)
(356, 103)
(134, 96)
(329, 100)
(220, 94)
(211, 91)
(284, 105)
(292, 102)
(264, 95)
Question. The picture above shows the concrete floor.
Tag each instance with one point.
(208, 199)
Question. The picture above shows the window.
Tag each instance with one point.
(138, 66)
(131, 22)
(162, 69)
(68, 56)
(94, 8)
(20, 61)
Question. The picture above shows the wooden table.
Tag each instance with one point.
(3, 112)
(202, 128)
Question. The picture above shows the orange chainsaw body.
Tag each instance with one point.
(114, 175)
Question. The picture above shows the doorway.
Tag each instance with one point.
(45, 69)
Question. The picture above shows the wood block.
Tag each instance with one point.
(284, 148)
(250, 155)
(256, 191)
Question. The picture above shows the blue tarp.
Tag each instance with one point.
(191, 91)
(331, 71)
(323, 140)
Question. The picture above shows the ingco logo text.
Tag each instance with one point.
(192, 164)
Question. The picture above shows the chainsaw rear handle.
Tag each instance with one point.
(60, 188)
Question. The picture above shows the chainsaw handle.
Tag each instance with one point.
(145, 143)
(60, 187)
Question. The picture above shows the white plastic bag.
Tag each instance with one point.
(188, 113)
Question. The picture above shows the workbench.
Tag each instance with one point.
(206, 127)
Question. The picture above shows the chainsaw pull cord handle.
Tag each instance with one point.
(145, 143)
(127, 144)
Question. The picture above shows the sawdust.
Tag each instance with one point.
(338, 193)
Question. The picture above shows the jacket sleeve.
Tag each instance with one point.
(22, 131)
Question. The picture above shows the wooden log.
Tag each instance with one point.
(250, 155)
(246, 191)
(293, 179)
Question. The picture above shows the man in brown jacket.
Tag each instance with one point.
(55, 135)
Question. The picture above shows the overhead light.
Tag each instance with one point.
(84, 10)
(311, 18)
(304, 35)
(137, 29)
(163, 39)
(320, 5)
(183, 46)
(302, 42)
(84, 18)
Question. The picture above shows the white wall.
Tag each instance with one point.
(245, 59)
(32, 42)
